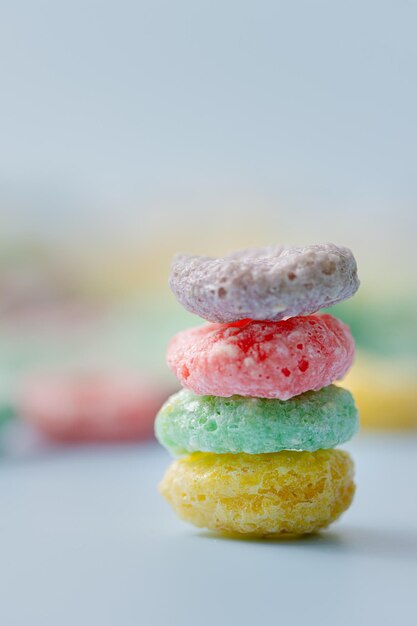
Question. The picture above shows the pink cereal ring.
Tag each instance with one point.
(90, 406)
(262, 359)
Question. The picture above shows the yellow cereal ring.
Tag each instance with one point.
(385, 391)
(261, 494)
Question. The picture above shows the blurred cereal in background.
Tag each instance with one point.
(92, 406)
(385, 390)
(384, 376)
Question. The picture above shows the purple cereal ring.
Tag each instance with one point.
(264, 284)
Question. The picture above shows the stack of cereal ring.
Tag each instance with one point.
(257, 422)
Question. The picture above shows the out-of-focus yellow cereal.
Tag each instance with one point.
(261, 494)
(385, 391)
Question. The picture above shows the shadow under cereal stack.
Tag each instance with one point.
(259, 418)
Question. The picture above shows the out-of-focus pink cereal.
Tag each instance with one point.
(91, 407)
(262, 359)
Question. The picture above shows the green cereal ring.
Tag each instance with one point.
(311, 421)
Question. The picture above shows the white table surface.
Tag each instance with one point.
(87, 541)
